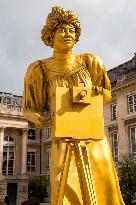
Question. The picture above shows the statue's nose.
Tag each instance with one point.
(67, 33)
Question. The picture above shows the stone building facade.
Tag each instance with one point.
(120, 114)
(24, 151)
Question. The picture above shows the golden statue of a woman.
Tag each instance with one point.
(82, 169)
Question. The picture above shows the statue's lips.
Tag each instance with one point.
(68, 40)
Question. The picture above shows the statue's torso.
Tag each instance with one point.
(65, 73)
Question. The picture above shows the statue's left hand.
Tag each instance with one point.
(102, 91)
(36, 118)
(40, 122)
(98, 90)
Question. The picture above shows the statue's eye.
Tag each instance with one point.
(61, 30)
(72, 30)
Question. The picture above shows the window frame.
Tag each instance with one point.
(30, 152)
(112, 135)
(131, 144)
(48, 158)
(7, 144)
(5, 100)
(113, 112)
(33, 135)
(133, 103)
(48, 189)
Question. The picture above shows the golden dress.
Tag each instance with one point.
(38, 88)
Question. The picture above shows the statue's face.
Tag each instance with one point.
(64, 38)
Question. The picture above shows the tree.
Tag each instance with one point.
(127, 172)
(37, 187)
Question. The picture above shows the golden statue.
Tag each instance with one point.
(75, 86)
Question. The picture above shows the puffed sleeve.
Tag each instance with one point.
(34, 95)
(99, 75)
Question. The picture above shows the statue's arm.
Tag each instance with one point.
(99, 77)
(106, 91)
(34, 95)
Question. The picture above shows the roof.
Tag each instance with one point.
(122, 69)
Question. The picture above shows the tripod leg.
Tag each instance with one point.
(64, 176)
(86, 175)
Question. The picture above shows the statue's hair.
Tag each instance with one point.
(54, 20)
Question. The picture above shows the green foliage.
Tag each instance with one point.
(37, 186)
(127, 172)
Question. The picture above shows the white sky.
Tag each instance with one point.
(108, 30)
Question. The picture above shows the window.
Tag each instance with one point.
(17, 101)
(8, 156)
(115, 147)
(31, 134)
(31, 160)
(48, 132)
(113, 111)
(132, 103)
(133, 141)
(6, 101)
(48, 189)
(48, 156)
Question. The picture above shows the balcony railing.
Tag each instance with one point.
(11, 109)
(16, 108)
